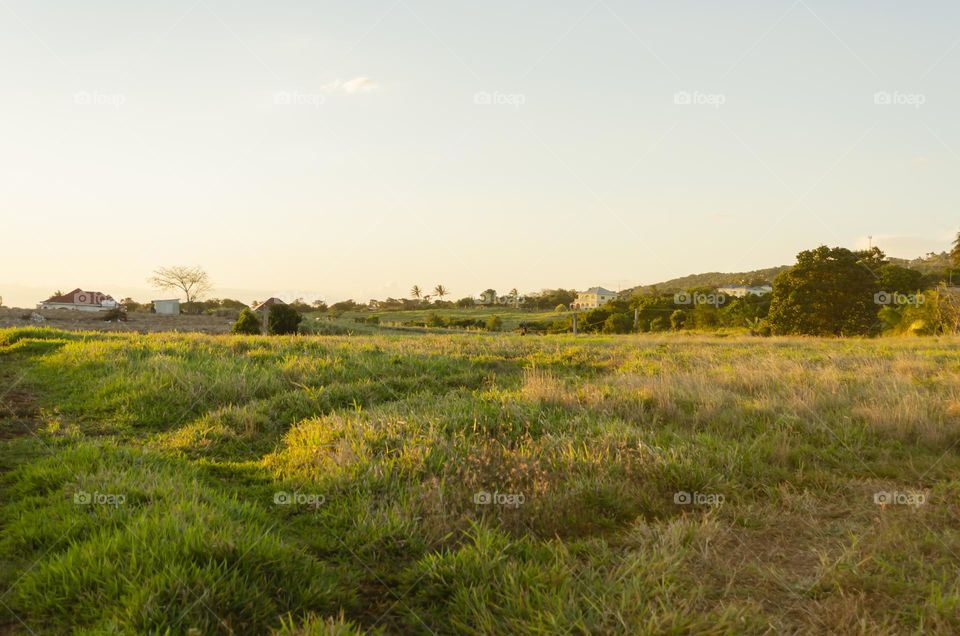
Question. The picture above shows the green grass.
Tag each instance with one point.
(185, 444)
(511, 317)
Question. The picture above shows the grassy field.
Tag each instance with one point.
(511, 317)
(477, 483)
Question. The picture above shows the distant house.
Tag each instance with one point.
(593, 298)
(167, 307)
(80, 300)
(739, 291)
(267, 304)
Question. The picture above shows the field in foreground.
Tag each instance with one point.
(477, 484)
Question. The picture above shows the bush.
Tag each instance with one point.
(658, 324)
(435, 320)
(114, 314)
(560, 309)
(494, 323)
(618, 323)
(248, 323)
(283, 320)
(677, 318)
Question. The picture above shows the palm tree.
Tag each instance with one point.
(416, 292)
(440, 291)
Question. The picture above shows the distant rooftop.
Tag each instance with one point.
(598, 290)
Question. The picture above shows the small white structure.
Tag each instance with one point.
(593, 298)
(739, 291)
(167, 307)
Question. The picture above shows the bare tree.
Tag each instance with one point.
(192, 281)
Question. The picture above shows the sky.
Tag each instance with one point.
(353, 149)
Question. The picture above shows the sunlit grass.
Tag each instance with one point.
(478, 484)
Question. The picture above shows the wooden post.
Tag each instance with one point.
(636, 317)
(574, 323)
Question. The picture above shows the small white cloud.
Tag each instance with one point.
(351, 86)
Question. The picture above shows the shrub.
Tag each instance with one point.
(247, 323)
(677, 318)
(435, 320)
(560, 309)
(114, 314)
(283, 320)
(494, 323)
(618, 323)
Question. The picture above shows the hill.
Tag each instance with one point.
(710, 279)
(931, 263)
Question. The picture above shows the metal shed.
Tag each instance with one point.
(167, 307)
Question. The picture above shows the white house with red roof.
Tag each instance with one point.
(80, 300)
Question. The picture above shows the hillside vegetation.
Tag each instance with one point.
(475, 483)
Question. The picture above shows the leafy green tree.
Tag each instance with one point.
(658, 324)
(466, 302)
(248, 323)
(618, 323)
(829, 292)
(903, 280)
(955, 252)
(283, 320)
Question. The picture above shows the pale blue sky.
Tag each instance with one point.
(338, 149)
